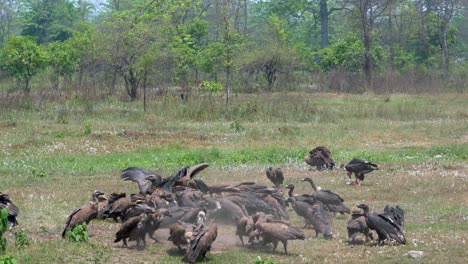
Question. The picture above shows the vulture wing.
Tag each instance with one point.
(143, 177)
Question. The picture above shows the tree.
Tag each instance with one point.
(49, 20)
(22, 58)
(368, 11)
(8, 19)
(445, 11)
(64, 59)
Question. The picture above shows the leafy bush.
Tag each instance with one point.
(22, 239)
(3, 229)
(237, 127)
(7, 259)
(259, 260)
(79, 233)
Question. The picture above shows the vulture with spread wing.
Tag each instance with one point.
(321, 158)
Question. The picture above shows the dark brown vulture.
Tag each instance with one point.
(359, 167)
(357, 224)
(316, 215)
(84, 214)
(275, 175)
(134, 229)
(193, 215)
(155, 221)
(244, 227)
(321, 158)
(13, 211)
(385, 226)
(187, 179)
(330, 199)
(180, 233)
(272, 232)
(200, 243)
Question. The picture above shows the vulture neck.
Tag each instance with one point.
(311, 183)
(290, 192)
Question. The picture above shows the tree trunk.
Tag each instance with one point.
(113, 82)
(324, 23)
(445, 49)
(228, 85)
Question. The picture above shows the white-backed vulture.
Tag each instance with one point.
(83, 214)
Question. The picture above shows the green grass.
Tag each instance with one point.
(54, 154)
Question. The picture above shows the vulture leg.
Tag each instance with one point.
(275, 244)
(241, 239)
(316, 233)
(285, 245)
(125, 242)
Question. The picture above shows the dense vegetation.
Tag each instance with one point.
(149, 47)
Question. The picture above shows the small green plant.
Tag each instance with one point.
(22, 239)
(213, 88)
(3, 229)
(87, 128)
(237, 127)
(7, 259)
(259, 260)
(79, 233)
(39, 173)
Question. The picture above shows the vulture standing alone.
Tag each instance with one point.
(13, 211)
(84, 214)
(321, 158)
(275, 175)
(359, 167)
(385, 226)
(330, 199)
(200, 243)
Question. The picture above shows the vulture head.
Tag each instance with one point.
(364, 207)
(96, 194)
(201, 217)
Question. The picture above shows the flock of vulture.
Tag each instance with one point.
(191, 209)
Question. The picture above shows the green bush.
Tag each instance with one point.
(259, 260)
(22, 239)
(3, 229)
(7, 259)
(79, 233)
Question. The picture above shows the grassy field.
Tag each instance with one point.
(54, 154)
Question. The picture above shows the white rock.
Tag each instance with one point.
(415, 254)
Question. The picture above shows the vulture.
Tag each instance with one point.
(359, 167)
(272, 232)
(185, 214)
(187, 179)
(134, 229)
(321, 158)
(385, 226)
(102, 205)
(180, 233)
(146, 179)
(357, 224)
(155, 221)
(275, 175)
(117, 204)
(84, 214)
(244, 227)
(316, 215)
(200, 242)
(330, 199)
(13, 211)
(396, 213)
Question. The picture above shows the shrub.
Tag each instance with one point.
(259, 260)
(79, 233)
(3, 229)
(22, 239)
